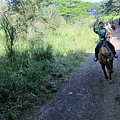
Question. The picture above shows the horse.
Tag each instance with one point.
(106, 58)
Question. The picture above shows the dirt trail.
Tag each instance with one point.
(111, 92)
(88, 95)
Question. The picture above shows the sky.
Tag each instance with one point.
(91, 0)
(2, 2)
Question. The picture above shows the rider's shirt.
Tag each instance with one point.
(102, 33)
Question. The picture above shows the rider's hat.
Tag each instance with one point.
(100, 23)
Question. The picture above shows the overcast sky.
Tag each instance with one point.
(91, 0)
(2, 2)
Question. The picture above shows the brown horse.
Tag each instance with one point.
(106, 58)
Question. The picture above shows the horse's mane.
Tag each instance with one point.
(105, 51)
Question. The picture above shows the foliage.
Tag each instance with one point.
(93, 6)
(73, 9)
(51, 18)
(110, 7)
(37, 70)
(10, 33)
(25, 11)
(27, 80)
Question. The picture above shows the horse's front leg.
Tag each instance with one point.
(111, 64)
(104, 71)
(111, 70)
(110, 76)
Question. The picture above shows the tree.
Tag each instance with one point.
(110, 7)
(73, 9)
(26, 12)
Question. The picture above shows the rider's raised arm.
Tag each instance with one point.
(94, 28)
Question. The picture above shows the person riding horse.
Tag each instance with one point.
(103, 36)
(113, 26)
(110, 30)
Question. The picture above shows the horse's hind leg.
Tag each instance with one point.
(110, 76)
(111, 66)
(110, 79)
(104, 71)
(111, 70)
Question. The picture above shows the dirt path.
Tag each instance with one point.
(88, 96)
(111, 92)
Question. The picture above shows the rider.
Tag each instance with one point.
(109, 29)
(103, 34)
(112, 23)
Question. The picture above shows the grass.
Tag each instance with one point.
(37, 71)
(72, 38)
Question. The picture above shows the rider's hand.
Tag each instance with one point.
(96, 21)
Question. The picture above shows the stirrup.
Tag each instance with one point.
(95, 59)
(116, 56)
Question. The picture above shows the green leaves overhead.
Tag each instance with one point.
(110, 7)
(28, 11)
(68, 9)
(73, 9)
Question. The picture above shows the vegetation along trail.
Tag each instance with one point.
(88, 95)
(42, 43)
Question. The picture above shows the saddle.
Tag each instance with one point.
(105, 45)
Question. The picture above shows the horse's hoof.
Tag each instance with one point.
(106, 77)
(111, 81)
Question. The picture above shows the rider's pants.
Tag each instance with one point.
(112, 48)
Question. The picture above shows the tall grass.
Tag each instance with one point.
(73, 38)
(38, 71)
